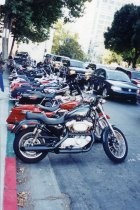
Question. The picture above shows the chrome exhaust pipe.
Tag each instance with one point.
(37, 148)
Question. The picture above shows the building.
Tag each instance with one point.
(103, 15)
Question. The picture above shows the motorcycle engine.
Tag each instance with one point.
(79, 126)
(78, 137)
(77, 141)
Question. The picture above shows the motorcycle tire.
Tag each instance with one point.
(115, 148)
(24, 138)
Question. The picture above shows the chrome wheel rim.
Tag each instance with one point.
(117, 145)
(27, 140)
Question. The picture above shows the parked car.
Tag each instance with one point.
(134, 75)
(49, 55)
(21, 57)
(58, 61)
(115, 84)
(79, 67)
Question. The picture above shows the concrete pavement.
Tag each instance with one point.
(43, 197)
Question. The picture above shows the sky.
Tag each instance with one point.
(83, 25)
(2, 2)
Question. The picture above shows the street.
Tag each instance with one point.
(88, 181)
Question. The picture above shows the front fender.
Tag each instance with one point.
(24, 124)
(105, 130)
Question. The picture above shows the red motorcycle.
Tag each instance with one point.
(17, 113)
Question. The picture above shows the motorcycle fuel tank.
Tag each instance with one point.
(80, 111)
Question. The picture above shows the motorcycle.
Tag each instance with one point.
(71, 133)
(62, 104)
(26, 88)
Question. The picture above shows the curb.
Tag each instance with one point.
(10, 190)
(8, 168)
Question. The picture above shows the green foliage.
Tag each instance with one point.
(112, 57)
(123, 36)
(72, 49)
(31, 19)
(65, 43)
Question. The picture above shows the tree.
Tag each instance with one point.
(112, 57)
(123, 36)
(72, 49)
(31, 19)
(65, 43)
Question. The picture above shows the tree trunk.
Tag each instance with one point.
(5, 40)
(134, 60)
(12, 46)
(129, 63)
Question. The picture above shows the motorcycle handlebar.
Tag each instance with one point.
(97, 100)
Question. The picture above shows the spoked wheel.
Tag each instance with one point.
(115, 147)
(24, 139)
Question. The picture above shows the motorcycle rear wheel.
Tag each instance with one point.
(116, 148)
(24, 138)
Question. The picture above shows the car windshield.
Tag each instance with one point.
(78, 64)
(117, 76)
(136, 75)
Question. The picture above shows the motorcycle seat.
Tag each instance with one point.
(42, 117)
(38, 94)
(50, 95)
(49, 109)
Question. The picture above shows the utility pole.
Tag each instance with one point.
(5, 35)
(5, 39)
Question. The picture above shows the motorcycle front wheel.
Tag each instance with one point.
(115, 147)
(25, 138)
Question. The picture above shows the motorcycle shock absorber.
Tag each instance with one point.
(37, 131)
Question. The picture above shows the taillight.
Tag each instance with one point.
(24, 126)
(10, 127)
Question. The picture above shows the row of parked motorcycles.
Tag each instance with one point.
(46, 118)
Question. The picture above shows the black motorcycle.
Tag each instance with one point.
(74, 132)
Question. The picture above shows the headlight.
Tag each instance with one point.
(72, 72)
(115, 88)
(138, 85)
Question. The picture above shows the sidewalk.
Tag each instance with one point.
(48, 194)
(7, 164)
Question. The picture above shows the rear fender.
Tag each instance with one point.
(24, 124)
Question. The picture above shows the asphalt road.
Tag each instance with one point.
(88, 181)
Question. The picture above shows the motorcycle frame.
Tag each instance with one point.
(96, 110)
(40, 127)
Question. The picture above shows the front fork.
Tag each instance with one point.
(105, 117)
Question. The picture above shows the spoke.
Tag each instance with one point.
(116, 146)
